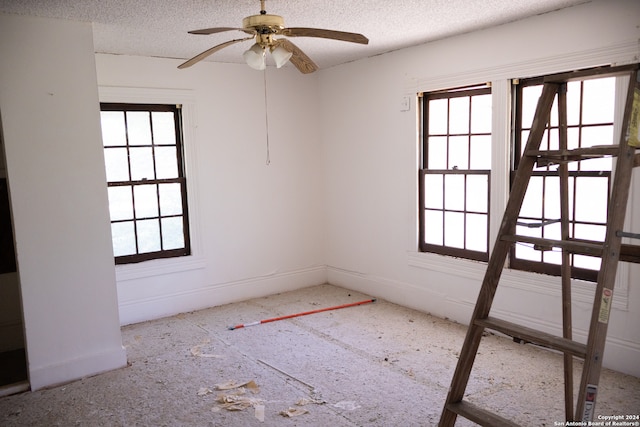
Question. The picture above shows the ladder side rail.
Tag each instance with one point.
(567, 328)
(587, 393)
(498, 255)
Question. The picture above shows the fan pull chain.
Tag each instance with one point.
(266, 116)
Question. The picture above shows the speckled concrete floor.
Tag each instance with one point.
(372, 365)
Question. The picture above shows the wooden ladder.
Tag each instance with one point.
(610, 251)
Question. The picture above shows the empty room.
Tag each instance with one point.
(350, 213)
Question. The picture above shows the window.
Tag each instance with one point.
(455, 173)
(146, 181)
(590, 117)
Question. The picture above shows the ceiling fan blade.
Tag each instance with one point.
(301, 61)
(326, 34)
(208, 52)
(207, 31)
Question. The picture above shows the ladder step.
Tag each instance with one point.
(534, 336)
(546, 157)
(478, 415)
(582, 247)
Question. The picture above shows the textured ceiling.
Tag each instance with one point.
(159, 27)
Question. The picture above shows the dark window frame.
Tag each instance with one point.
(518, 143)
(181, 180)
(424, 170)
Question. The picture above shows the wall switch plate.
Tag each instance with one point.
(405, 104)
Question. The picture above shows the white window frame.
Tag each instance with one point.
(196, 260)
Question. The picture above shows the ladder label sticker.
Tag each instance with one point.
(589, 402)
(634, 122)
(605, 305)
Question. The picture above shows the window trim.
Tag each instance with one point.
(185, 97)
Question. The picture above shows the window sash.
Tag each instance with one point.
(159, 223)
(462, 213)
(578, 172)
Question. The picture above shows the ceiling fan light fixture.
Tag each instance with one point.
(280, 55)
(255, 57)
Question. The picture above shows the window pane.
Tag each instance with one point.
(164, 131)
(481, 114)
(480, 152)
(120, 203)
(438, 117)
(141, 159)
(113, 130)
(553, 116)
(123, 236)
(597, 135)
(170, 199)
(573, 103)
(458, 152)
(525, 250)
(532, 204)
(139, 128)
(598, 101)
(553, 142)
(530, 97)
(552, 257)
(552, 231)
(477, 193)
(116, 164)
(166, 162)
(454, 229)
(591, 199)
(433, 196)
(588, 262)
(433, 227)
(437, 154)
(148, 235)
(172, 233)
(590, 232)
(459, 115)
(552, 197)
(454, 192)
(146, 201)
(477, 232)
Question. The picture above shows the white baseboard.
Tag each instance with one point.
(169, 304)
(76, 368)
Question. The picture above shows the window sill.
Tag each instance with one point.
(538, 283)
(158, 267)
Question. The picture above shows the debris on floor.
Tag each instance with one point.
(293, 412)
(237, 402)
(232, 384)
(203, 391)
(259, 412)
(347, 405)
(197, 351)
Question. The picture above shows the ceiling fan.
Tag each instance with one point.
(263, 28)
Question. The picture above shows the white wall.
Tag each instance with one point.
(55, 168)
(258, 229)
(370, 150)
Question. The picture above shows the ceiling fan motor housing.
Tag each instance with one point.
(263, 23)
